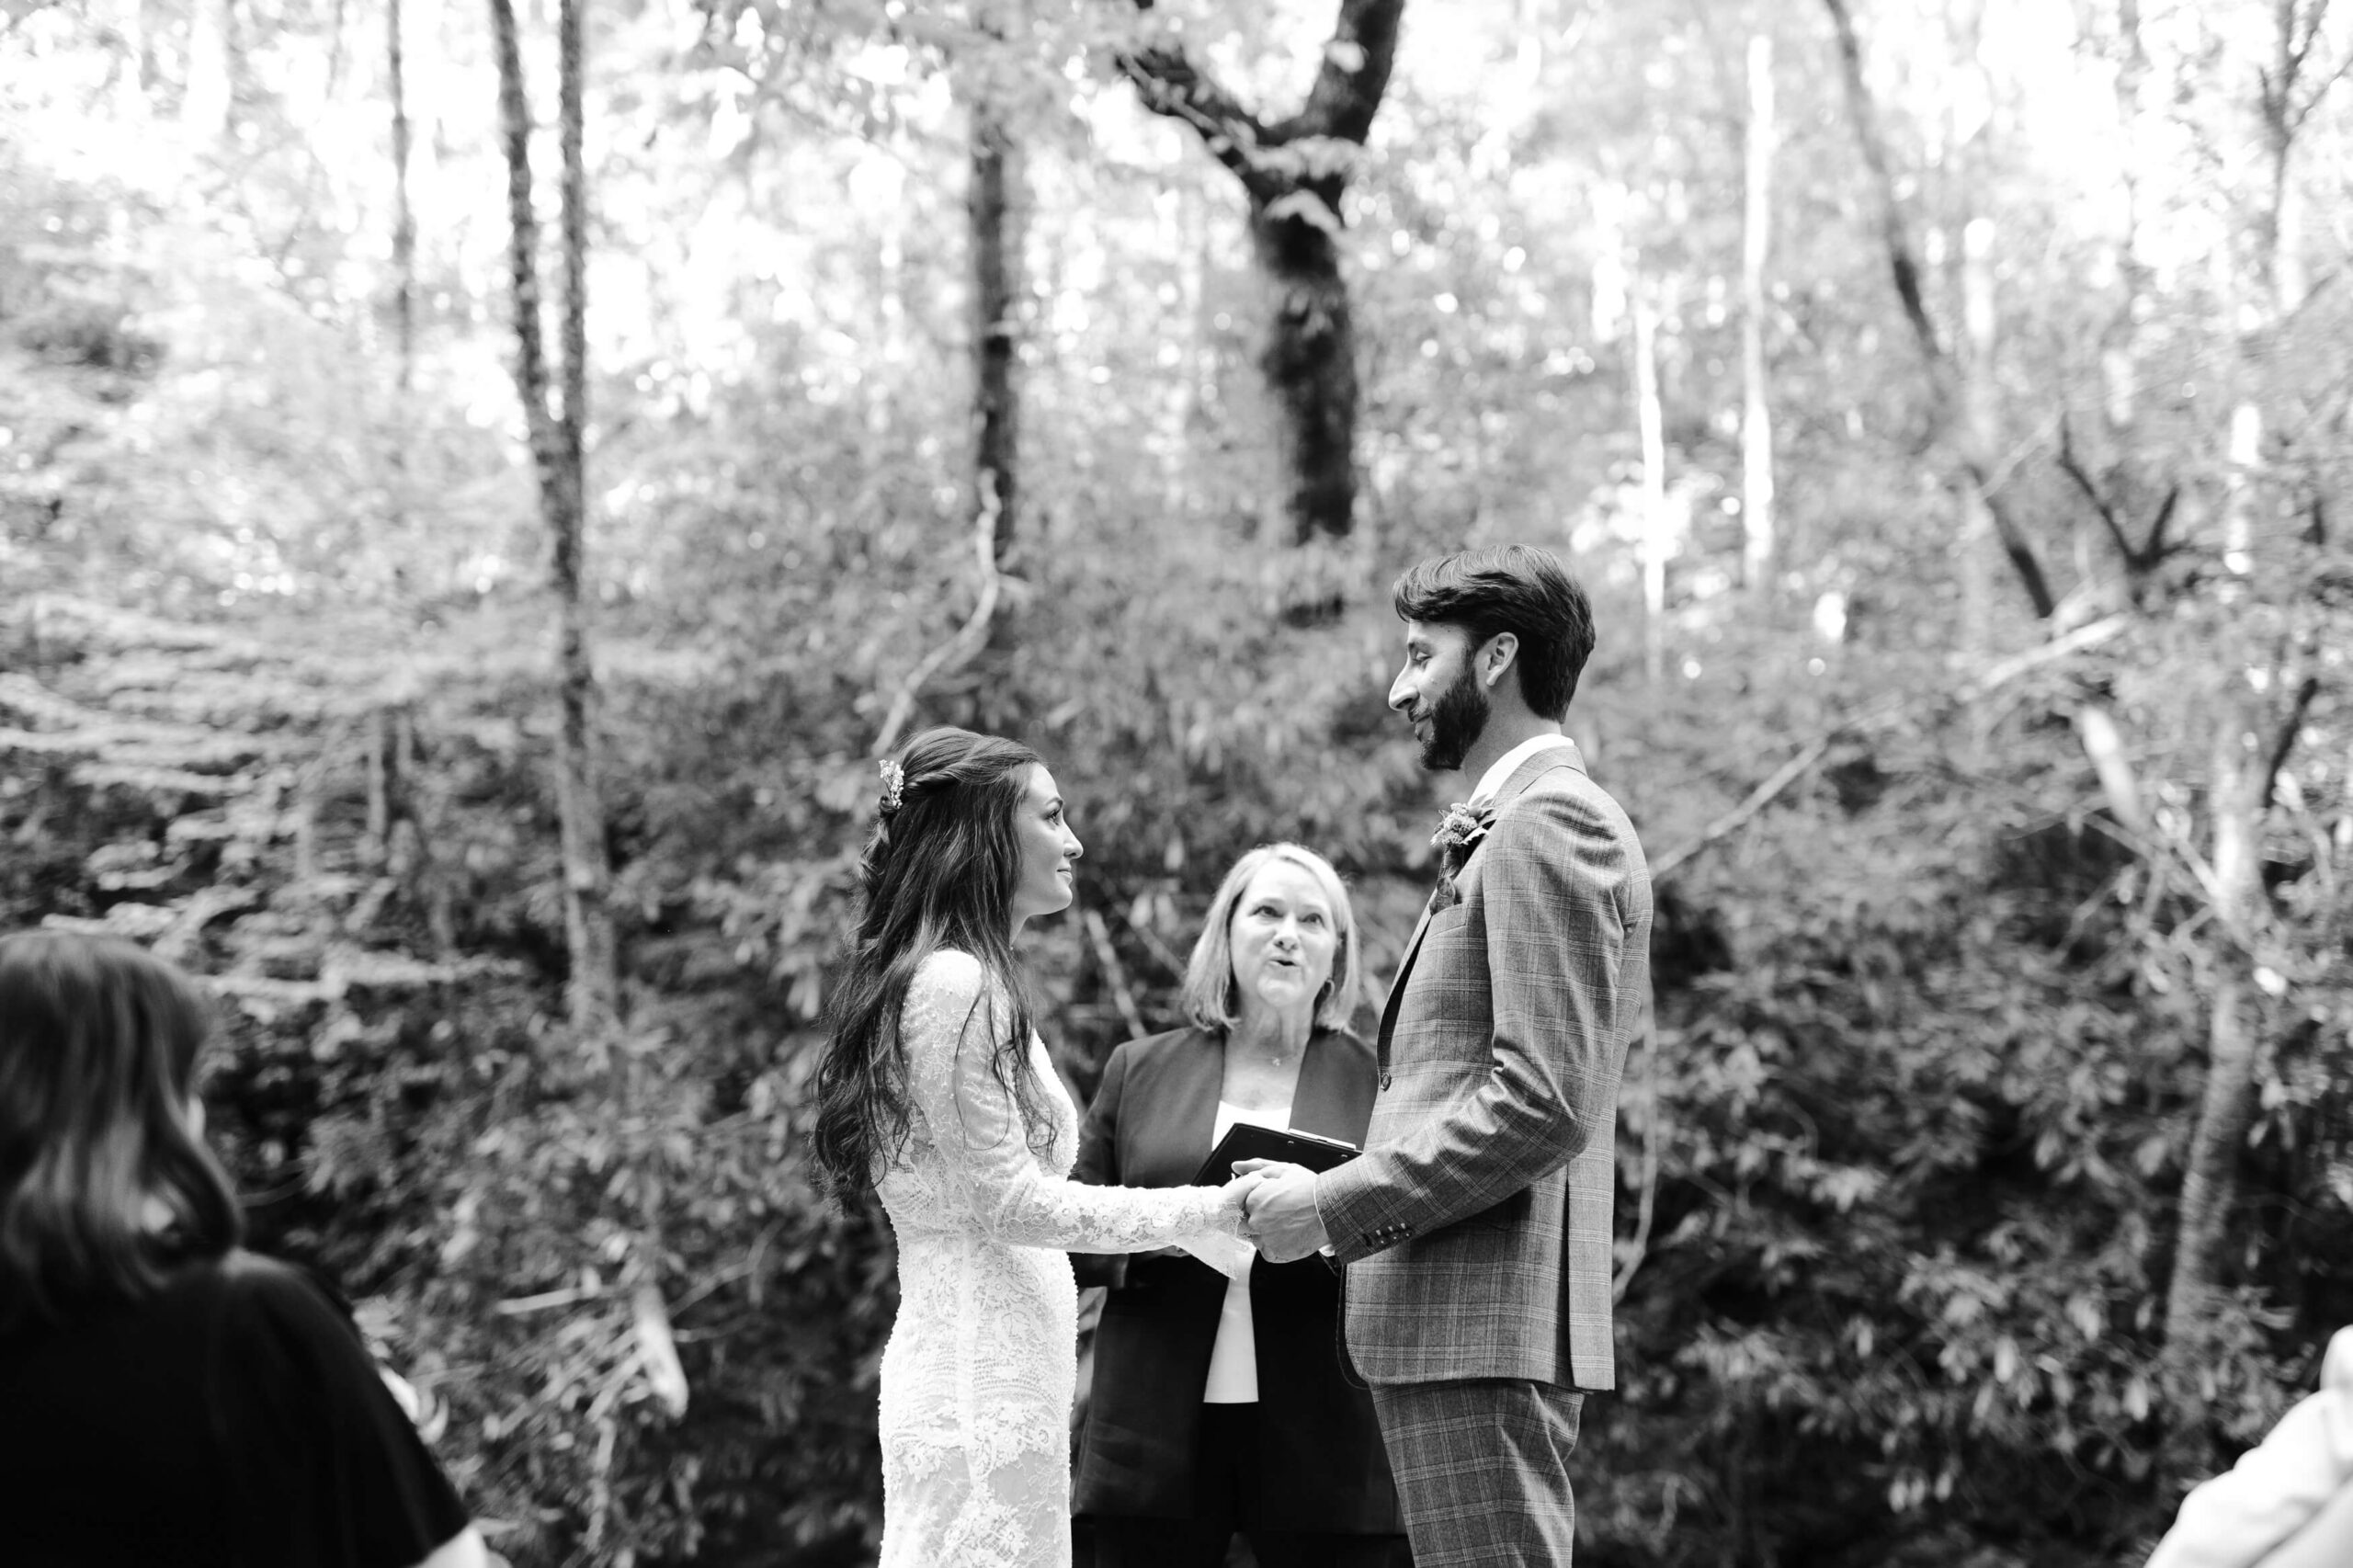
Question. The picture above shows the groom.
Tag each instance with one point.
(1476, 1228)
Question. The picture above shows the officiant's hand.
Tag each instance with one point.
(1281, 1210)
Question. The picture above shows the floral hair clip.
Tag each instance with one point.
(895, 784)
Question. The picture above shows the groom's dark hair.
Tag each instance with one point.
(1510, 587)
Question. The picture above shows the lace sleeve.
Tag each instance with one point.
(947, 1024)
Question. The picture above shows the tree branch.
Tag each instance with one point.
(1108, 957)
(2104, 745)
(1789, 773)
(1904, 266)
(2158, 548)
(2085, 636)
(2074, 470)
(1739, 817)
(2015, 544)
(1353, 77)
(952, 654)
(1901, 262)
(2283, 741)
(1171, 85)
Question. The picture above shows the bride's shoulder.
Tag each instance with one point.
(945, 975)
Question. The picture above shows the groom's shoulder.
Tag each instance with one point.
(1565, 796)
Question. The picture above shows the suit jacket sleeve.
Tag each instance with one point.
(1098, 1165)
(1552, 875)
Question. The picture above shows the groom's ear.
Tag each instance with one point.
(1498, 657)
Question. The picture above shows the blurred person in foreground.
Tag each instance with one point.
(2288, 1501)
(935, 1091)
(166, 1397)
(1218, 1406)
(1475, 1227)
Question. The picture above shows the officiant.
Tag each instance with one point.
(1220, 1409)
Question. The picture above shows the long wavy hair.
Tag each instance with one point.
(106, 1185)
(939, 872)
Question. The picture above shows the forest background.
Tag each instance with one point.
(1945, 401)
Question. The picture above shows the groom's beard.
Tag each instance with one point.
(1456, 723)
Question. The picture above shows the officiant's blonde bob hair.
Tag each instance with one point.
(1210, 999)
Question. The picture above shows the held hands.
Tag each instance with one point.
(1227, 1248)
(1279, 1210)
(1233, 1203)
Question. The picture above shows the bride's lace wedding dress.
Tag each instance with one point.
(978, 1377)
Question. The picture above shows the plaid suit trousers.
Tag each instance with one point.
(1482, 1470)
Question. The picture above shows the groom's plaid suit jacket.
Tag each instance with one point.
(1476, 1228)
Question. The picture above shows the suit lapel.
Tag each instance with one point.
(1397, 986)
(1564, 754)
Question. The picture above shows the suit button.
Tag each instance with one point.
(1385, 1079)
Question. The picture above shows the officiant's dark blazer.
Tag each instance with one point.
(1322, 1467)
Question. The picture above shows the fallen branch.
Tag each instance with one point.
(1789, 772)
(208, 904)
(1160, 949)
(2088, 635)
(952, 654)
(1738, 817)
(1110, 957)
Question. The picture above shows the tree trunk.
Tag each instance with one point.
(593, 990)
(996, 409)
(404, 217)
(1650, 419)
(398, 481)
(1981, 421)
(1194, 367)
(207, 105)
(1756, 421)
(2244, 769)
(130, 18)
(2209, 1184)
(1308, 363)
(1971, 459)
(1294, 172)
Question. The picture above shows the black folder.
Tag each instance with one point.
(1248, 1140)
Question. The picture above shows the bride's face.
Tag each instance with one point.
(1049, 850)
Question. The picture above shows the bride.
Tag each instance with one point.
(935, 1089)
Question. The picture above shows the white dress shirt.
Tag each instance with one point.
(1493, 780)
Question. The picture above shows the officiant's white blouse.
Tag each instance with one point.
(1234, 1359)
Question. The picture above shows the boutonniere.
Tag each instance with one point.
(1459, 832)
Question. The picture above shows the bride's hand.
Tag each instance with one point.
(1233, 1203)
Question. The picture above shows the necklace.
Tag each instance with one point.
(1274, 1054)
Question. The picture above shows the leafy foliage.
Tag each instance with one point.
(1902, 1160)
